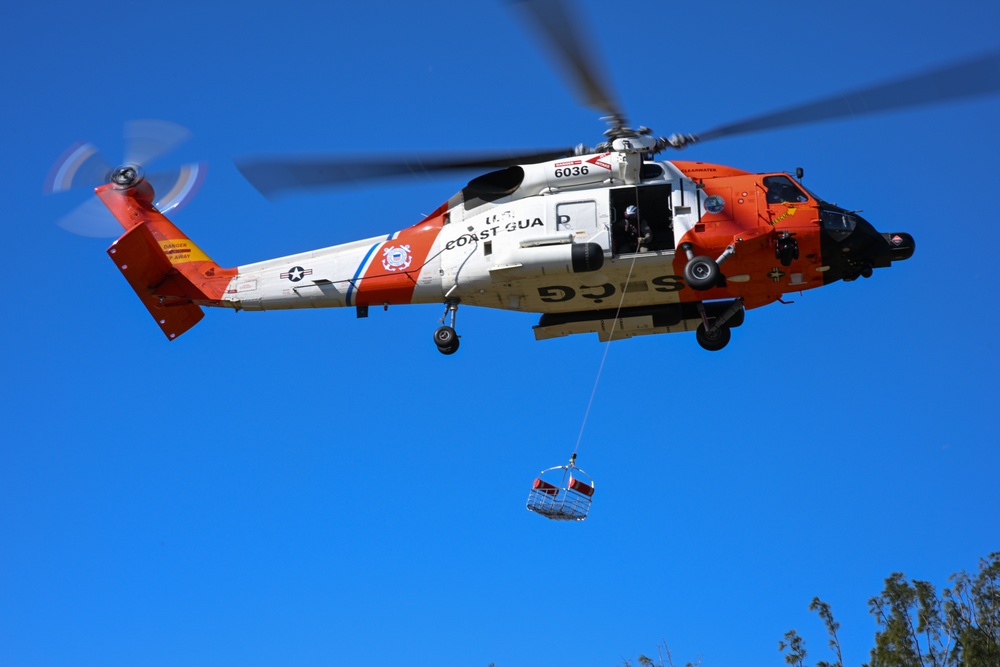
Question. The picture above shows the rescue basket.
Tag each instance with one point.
(562, 493)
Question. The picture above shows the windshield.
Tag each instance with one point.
(811, 193)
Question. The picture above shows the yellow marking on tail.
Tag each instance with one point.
(179, 251)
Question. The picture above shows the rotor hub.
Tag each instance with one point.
(127, 175)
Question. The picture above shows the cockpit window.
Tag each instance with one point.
(839, 221)
(838, 224)
(781, 189)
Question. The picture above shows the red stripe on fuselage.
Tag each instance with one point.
(396, 264)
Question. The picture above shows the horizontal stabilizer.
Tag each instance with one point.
(160, 286)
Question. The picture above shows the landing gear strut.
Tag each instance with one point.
(444, 336)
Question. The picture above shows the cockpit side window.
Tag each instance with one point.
(838, 221)
(781, 190)
(838, 224)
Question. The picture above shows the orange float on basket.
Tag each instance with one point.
(544, 487)
(562, 493)
(580, 486)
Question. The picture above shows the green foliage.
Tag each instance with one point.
(796, 649)
(664, 659)
(911, 630)
(918, 628)
(825, 613)
(972, 610)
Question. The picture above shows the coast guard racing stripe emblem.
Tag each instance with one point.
(396, 258)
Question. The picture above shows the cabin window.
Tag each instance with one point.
(650, 171)
(576, 215)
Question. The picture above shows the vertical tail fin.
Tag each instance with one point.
(169, 273)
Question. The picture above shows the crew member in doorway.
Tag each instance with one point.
(636, 232)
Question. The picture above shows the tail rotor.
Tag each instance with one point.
(82, 166)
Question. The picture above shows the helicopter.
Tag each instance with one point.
(605, 239)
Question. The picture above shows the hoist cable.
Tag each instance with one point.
(604, 358)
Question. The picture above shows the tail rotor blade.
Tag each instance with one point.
(177, 188)
(91, 218)
(146, 140)
(81, 166)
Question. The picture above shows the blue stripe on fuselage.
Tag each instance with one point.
(361, 267)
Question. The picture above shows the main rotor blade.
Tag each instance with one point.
(967, 78)
(274, 176)
(562, 32)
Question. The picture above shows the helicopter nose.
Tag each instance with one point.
(901, 245)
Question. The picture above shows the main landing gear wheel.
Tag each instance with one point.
(715, 339)
(446, 340)
(701, 273)
(444, 336)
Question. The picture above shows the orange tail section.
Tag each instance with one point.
(171, 275)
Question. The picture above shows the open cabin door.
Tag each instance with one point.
(655, 210)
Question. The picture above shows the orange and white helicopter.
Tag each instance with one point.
(604, 240)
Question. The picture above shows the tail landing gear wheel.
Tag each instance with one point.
(446, 340)
(715, 341)
(701, 273)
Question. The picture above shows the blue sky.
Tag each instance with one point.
(308, 488)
